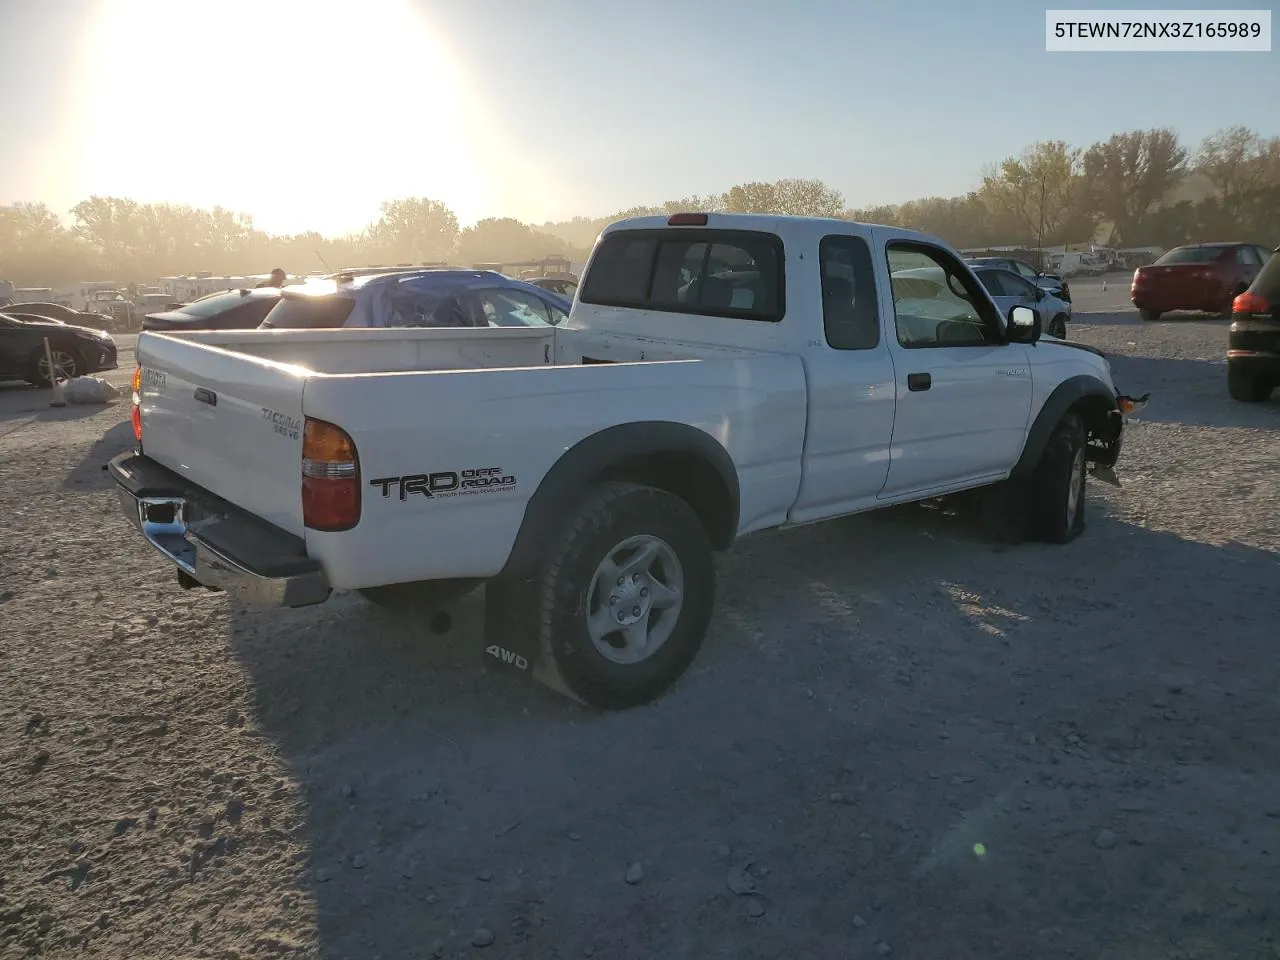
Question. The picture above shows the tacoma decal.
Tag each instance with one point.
(447, 483)
(155, 379)
(282, 423)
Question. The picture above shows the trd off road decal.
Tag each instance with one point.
(446, 483)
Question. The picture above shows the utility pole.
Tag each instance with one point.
(1044, 182)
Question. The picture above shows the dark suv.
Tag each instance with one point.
(1253, 345)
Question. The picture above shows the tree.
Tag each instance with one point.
(36, 249)
(1042, 192)
(415, 228)
(503, 239)
(1130, 174)
(1244, 170)
(801, 198)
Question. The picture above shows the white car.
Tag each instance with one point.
(718, 375)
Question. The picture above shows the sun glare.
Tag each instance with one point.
(306, 114)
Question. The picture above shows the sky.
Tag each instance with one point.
(307, 114)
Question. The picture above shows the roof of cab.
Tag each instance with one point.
(781, 224)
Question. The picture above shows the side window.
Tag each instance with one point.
(1015, 286)
(717, 273)
(991, 280)
(935, 302)
(513, 308)
(849, 313)
(1246, 256)
(1263, 254)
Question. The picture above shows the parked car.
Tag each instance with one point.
(564, 286)
(1051, 282)
(709, 383)
(1253, 343)
(1201, 276)
(76, 350)
(57, 312)
(229, 310)
(425, 298)
(1008, 290)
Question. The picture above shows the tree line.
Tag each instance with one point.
(1140, 188)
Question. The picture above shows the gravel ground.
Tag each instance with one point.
(899, 739)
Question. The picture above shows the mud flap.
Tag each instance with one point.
(512, 634)
(1106, 475)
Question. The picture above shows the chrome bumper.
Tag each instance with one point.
(165, 521)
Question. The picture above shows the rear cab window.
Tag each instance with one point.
(708, 272)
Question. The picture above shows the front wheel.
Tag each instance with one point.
(625, 594)
(67, 365)
(1058, 485)
(1058, 327)
(1246, 386)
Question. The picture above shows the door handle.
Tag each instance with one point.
(919, 381)
(205, 395)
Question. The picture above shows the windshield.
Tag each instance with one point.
(1190, 255)
(309, 312)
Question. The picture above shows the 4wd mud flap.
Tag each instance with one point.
(511, 638)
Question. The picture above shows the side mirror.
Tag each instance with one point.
(1040, 293)
(1024, 325)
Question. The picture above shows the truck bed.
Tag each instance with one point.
(225, 411)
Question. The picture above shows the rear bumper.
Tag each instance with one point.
(1254, 344)
(214, 543)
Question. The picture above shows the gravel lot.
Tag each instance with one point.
(877, 698)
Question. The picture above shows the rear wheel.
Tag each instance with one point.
(1246, 386)
(67, 365)
(1149, 315)
(1058, 326)
(1058, 485)
(625, 595)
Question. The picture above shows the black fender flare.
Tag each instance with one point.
(593, 456)
(1064, 396)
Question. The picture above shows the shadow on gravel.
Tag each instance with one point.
(89, 473)
(875, 696)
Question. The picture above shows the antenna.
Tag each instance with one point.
(327, 268)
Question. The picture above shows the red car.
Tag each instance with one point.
(1202, 276)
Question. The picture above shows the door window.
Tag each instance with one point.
(936, 303)
(1023, 270)
(849, 313)
(1246, 256)
(513, 308)
(1015, 286)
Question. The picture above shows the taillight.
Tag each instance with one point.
(1251, 303)
(330, 477)
(135, 413)
(687, 220)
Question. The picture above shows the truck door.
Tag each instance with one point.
(851, 382)
(963, 394)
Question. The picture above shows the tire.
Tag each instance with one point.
(622, 524)
(1148, 315)
(1247, 387)
(1056, 507)
(1058, 326)
(67, 359)
(428, 596)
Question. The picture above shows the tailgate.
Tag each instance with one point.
(226, 421)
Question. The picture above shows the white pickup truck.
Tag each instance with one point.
(718, 375)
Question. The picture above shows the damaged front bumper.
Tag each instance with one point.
(1103, 450)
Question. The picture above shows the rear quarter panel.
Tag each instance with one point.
(518, 422)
